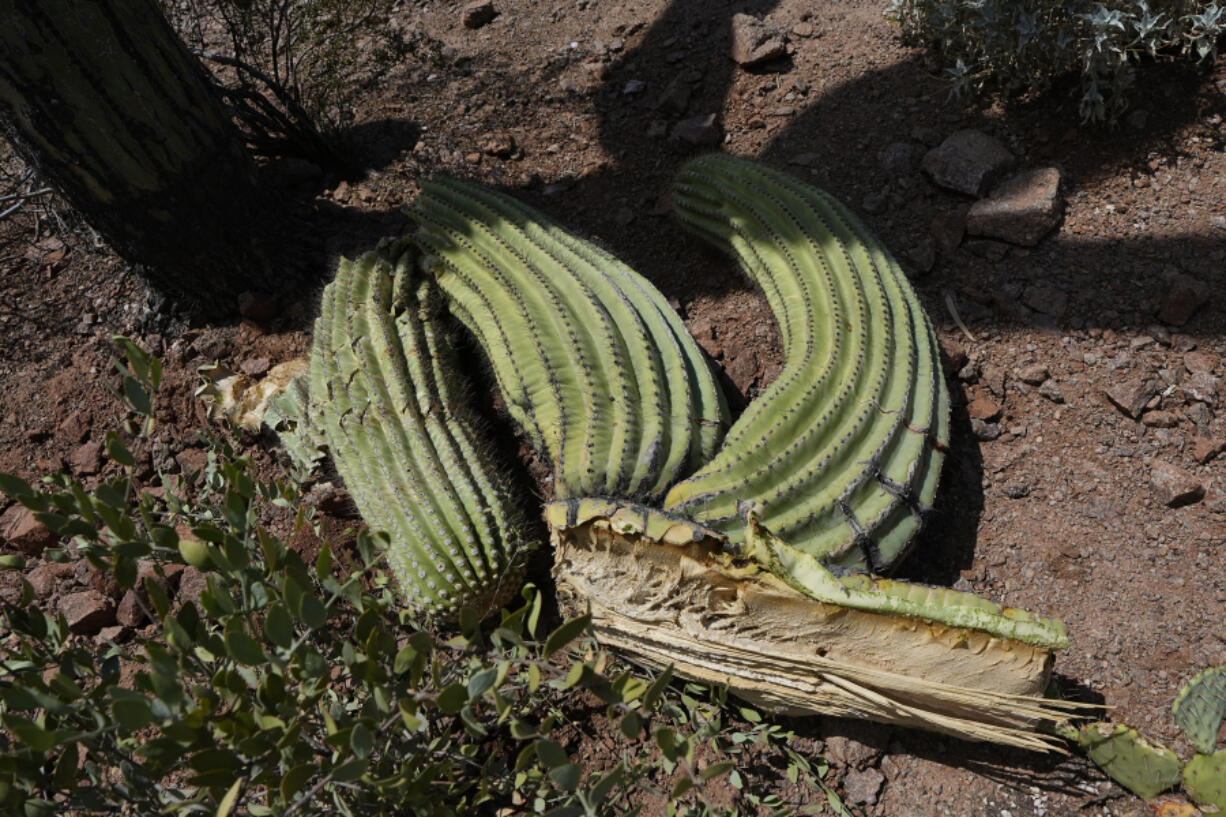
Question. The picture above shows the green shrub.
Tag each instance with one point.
(1012, 45)
(296, 688)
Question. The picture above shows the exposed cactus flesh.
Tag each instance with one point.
(1145, 768)
(385, 390)
(1200, 707)
(665, 591)
(1205, 779)
(843, 451)
(590, 359)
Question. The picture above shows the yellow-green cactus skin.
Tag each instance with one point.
(842, 453)
(386, 394)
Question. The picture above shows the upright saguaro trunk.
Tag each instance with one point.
(104, 99)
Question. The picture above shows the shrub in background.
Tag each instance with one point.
(1010, 45)
(302, 688)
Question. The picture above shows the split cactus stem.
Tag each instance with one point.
(842, 452)
(590, 360)
(385, 389)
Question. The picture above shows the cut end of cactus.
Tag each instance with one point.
(723, 621)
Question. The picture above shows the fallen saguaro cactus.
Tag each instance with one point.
(738, 559)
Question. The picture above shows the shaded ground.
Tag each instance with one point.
(570, 106)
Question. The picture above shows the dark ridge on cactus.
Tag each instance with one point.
(589, 359)
(385, 387)
(842, 452)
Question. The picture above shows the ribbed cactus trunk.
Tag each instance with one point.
(107, 103)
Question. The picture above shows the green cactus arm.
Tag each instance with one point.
(809, 576)
(1142, 766)
(384, 386)
(844, 449)
(1200, 707)
(609, 387)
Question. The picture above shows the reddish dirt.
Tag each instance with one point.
(1058, 514)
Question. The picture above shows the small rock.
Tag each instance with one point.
(968, 161)
(1051, 390)
(255, 366)
(803, 30)
(698, 130)
(500, 145)
(129, 612)
(192, 459)
(1016, 490)
(1199, 361)
(953, 355)
(812, 160)
(948, 229)
(1175, 486)
(1046, 299)
(478, 13)
(22, 532)
(743, 370)
(1160, 419)
(875, 203)
(87, 611)
(1184, 296)
(1204, 450)
(634, 86)
(45, 578)
(924, 254)
(862, 787)
(1034, 374)
(676, 97)
(192, 582)
(1202, 387)
(623, 216)
(994, 378)
(899, 158)
(115, 633)
(74, 428)
(755, 41)
(1131, 396)
(852, 753)
(991, 250)
(981, 408)
(1020, 210)
(1199, 414)
(86, 459)
(985, 432)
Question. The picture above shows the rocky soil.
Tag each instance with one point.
(1074, 273)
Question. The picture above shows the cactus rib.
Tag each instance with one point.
(591, 363)
(842, 452)
(383, 386)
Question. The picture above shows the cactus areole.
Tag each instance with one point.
(739, 553)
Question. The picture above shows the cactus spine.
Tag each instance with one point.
(384, 389)
(843, 451)
(590, 360)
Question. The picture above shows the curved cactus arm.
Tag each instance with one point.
(590, 361)
(940, 605)
(384, 389)
(1200, 707)
(843, 450)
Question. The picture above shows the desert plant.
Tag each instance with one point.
(1018, 44)
(292, 69)
(294, 688)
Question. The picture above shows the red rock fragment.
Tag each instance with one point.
(22, 532)
(1175, 486)
(87, 612)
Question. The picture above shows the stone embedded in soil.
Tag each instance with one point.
(923, 255)
(676, 97)
(1160, 419)
(899, 158)
(755, 41)
(862, 787)
(1131, 396)
(1203, 388)
(948, 229)
(86, 459)
(981, 408)
(968, 161)
(22, 532)
(1175, 486)
(1034, 374)
(1020, 210)
(45, 578)
(499, 145)
(1199, 360)
(1051, 390)
(477, 14)
(1184, 295)
(1046, 299)
(192, 582)
(87, 611)
(985, 432)
(1204, 449)
(130, 613)
(698, 130)
(73, 429)
(255, 366)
